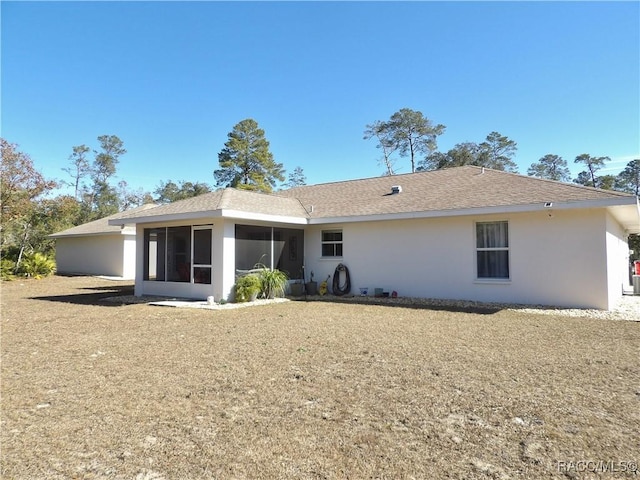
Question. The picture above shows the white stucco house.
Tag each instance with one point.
(98, 248)
(460, 233)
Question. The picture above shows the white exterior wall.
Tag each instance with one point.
(95, 255)
(617, 260)
(554, 260)
(224, 258)
(129, 257)
(571, 258)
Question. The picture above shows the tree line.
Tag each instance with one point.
(28, 214)
(409, 134)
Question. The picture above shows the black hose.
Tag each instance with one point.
(346, 288)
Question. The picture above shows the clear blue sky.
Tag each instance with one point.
(172, 79)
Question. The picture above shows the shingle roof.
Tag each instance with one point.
(227, 199)
(447, 190)
(100, 226)
(439, 190)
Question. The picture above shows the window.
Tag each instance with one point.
(332, 243)
(492, 249)
(178, 254)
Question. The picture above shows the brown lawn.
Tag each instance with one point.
(92, 389)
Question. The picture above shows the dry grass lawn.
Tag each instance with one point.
(92, 389)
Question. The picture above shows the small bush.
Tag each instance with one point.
(37, 265)
(7, 269)
(247, 288)
(274, 282)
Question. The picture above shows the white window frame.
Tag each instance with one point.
(324, 242)
(506, 248)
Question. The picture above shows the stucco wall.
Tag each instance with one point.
(556, 258)
(129, 256)
(224, 258)
(93, 255)
(617, 260)
(560, 258)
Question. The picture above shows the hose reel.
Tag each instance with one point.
(346, 288)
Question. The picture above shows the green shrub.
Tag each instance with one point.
(274, 282)
(247, 287)
(37, 265)
(7, 269)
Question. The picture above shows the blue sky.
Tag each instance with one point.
(171, 79)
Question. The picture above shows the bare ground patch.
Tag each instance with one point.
(95, 389)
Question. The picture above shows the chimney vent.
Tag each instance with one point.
(396, 189)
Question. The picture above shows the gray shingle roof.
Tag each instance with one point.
(101, 226)
(439, 190)
(227, 199)
(447, 190)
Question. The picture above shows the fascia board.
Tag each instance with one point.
(95, 234)
(262, 217)
(167, 218)
(504, 209)
(224, 213)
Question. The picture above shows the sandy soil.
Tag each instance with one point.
(96, 389)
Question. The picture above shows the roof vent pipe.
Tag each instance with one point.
(396, 189)
(482, 171)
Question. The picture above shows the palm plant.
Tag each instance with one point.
(274, 282)
(37, 265)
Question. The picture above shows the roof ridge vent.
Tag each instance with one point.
(396, 189)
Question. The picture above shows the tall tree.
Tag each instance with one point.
(629, 179)
(593, 164)
(79, 169)
(106, 160)
(21, 185)
(130, 198)
(169, 191)
(407, 131)
(383, 133)
(51, 215)
(296, 178)
(552, 167)
(102, 199)
(246, 161)
(497, 152)
(466, 153)
(607, 182)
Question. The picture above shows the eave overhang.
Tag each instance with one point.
(626, 210)
(212, 214)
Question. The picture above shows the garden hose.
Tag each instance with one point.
(346, 288)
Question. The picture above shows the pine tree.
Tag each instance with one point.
(246, 161)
